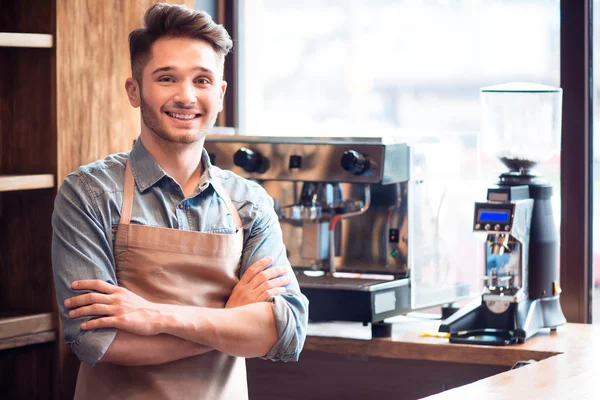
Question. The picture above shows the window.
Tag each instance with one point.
(398, 68)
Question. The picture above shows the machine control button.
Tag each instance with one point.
(497, 227)
(394, 253)
(507, 227)
(355, 162)
(394, 235)
(295, 162)
(478, 226)
(487, 227)
(248, 160)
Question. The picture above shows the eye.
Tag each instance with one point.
(166, 79)
(203, 81)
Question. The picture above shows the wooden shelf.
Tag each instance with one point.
(25, 182)
(14, 324)
(37, 40)
(25, 329)
(28, 340)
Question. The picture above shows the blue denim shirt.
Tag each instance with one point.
(87, 212)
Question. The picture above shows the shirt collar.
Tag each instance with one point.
(147, 172)
(145, 169)
(209, 175)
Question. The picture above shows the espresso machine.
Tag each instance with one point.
(347, 208)
(521, 126)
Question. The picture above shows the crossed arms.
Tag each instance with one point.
(151, 333)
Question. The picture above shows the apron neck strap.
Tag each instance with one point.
(127, 196)
(219, 188)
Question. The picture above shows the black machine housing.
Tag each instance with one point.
(476, 323)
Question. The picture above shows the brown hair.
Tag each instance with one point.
(172, 20)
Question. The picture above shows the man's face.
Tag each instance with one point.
(182, 90)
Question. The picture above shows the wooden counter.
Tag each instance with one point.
(566, 364)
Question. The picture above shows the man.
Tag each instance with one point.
(169, 270)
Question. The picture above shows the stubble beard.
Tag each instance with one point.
(161, 132)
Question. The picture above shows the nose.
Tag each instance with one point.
(186, 93)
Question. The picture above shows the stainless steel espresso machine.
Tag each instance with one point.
(521, 293)
(347, 209)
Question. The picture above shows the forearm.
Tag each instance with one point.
(133, 350)
(246, 331)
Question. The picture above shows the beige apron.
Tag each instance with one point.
(177, 267)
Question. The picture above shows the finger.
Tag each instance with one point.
(87, 299)
(106, 322)
(271, 292)
(255, 268)
(274, 283)
(93, 310)
(95, 284)
(267, 274)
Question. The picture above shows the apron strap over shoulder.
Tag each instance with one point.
(228, 203)
(127, 196)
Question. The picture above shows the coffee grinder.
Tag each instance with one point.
(521, 126)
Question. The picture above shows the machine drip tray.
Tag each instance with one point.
(487, 337)
(339, 283)
(334, 298)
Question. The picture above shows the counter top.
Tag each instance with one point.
(566, 367)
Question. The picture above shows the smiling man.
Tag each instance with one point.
(169, 271)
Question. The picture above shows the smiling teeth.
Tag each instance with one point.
(183, 116)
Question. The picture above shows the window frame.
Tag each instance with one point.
(576, 77)
(228, 12)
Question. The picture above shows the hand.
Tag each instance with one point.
(258, 284)
(118, 308)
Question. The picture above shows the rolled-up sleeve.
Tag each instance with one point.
(80, 250)
(290, 309)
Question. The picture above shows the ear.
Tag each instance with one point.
(222, 94)
(132, 87)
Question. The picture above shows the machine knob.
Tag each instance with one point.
(248, 160)
(487, 227)
(497, 227)
(355, 162)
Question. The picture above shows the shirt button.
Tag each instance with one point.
(181, 206)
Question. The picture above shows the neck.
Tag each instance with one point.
(180, 160)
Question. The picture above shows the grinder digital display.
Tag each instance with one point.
(499, 216)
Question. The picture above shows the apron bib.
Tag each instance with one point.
(172, 266)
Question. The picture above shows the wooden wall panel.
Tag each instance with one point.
(92, 58)
(27, 16)
(25, 372)
(25, 233)
(27, 139)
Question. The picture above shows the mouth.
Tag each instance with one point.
(183, 116)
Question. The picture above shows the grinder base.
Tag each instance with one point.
(477, 324)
